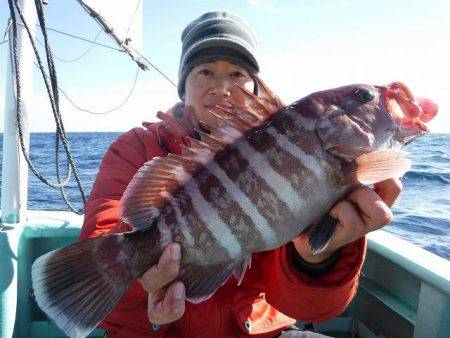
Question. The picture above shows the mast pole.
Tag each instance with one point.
(14, 167)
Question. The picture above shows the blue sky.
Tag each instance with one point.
(303, 46)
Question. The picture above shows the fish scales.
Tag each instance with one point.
(258, 229)
(248, 186)
(286, 161)
(231, 223)
(254, 187)
(204, 240)
(227, 203)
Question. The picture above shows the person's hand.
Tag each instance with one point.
(363, 211)
(164, 306)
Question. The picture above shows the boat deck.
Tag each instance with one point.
(404, 290)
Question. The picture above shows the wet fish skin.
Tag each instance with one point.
(253, 184)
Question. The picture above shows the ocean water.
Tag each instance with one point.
(421, 214)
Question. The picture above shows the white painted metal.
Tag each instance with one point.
(431, 311)
(14, 168)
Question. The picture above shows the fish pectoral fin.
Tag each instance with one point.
(321, 233)
(202, 281)
(151, 187)
(378, 166)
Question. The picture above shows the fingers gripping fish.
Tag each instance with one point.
(253, 183)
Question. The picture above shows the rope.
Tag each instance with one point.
(61, 133)
(116, 49)
(54, 100)
(83, 39)
(99, 113)
(110, 110)
(77, 58)
(132, 19)
(154, 67)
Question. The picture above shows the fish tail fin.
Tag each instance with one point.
(321, 233)
(79, 284)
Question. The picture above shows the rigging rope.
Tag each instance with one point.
(83, 39)
(110, 110)
(116, 49)
(79, 57)
(154, 67)
(60, 134)
(132, 19)
(53, 91)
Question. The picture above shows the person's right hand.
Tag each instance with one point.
(164, 306)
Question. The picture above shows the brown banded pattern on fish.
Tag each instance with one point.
(288, 160)
(227, 201)
(197, 238)
(255, 187)
(260, 178)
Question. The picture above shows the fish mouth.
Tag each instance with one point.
(409, 113)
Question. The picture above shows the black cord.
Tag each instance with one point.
(60, 130)
(54, 100)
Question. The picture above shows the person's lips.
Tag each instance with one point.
(219, 104)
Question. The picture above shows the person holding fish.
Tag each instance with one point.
(235, 215)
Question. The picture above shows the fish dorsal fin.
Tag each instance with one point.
(236, 121)
(266, 95)
(155, 182)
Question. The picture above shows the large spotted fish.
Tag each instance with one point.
(253, 183)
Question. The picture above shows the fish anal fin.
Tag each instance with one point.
(201, 282)
(378, 166)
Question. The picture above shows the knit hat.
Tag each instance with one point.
(216, 36)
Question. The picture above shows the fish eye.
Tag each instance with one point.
(364, 94)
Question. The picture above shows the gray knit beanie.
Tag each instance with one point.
(216, 36)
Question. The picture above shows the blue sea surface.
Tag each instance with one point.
(421, 214)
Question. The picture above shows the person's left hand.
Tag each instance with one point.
(363, 211)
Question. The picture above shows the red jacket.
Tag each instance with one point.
(273, 294)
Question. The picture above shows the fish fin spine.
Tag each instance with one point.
(157, 180)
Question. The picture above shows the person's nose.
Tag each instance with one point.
(221, 87)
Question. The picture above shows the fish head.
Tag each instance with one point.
(358, 119)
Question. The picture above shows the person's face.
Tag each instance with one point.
(214, 83)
